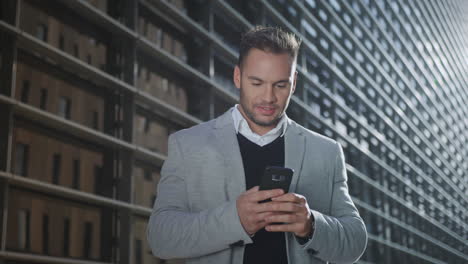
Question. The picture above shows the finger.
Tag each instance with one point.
(252, 190)
(290, 197)
(260, 217)
(282, 228)
(286, 207)
(283, 218)
(260, 225)
(263, 195)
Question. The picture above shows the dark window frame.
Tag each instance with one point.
(66, 237)
(27, 229)
(56, 167)
(43, 99)
(45, 234)
(45, 32)
(76, 173)
(61, 42)
(66, 111)
(25, 91)
(23, 170)
(87, 240)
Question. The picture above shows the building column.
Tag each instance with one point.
(106, 181)
(10, 14)
(126, 183)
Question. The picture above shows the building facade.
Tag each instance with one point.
(90, 90)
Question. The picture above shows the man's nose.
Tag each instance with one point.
(270, 95)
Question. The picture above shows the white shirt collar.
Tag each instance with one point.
(241, 126)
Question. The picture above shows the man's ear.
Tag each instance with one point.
(237, 76)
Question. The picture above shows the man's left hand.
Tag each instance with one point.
(293, 210)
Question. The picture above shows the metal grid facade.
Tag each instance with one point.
(90, 91)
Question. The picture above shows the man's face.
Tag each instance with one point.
(266, 82)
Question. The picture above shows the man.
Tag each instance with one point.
(207, 208)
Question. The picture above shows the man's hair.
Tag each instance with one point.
(269, 39)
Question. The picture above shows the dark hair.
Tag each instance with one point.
(269, 39)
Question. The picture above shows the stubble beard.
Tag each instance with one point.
(252, 117)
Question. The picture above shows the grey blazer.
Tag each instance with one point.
(195, 215)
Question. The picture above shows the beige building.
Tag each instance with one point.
(37, 87)
(85, 44)
(45, 224)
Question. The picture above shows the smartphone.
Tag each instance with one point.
(276, 178)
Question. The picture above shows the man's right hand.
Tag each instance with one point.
(251, 213)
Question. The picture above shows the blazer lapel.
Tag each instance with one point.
(294, 152)
(227, 144)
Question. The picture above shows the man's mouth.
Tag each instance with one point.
(266, 110)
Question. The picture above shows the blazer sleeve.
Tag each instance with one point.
(175, 232)
(340, 237)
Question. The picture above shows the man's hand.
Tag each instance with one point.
(251, 213)
(292, 210)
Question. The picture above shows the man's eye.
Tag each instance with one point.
(281, 85)
(256, 84)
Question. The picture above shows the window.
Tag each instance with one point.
(147, 124)
(95, 120)
(148, 75)
(57, 160)
(138, 249)
(159, 36)
(41, 32)
(92, 41)
(97, 179)
(75, 50)
(25, 91)
(147, 175)
(88, 240)
(76, 174)
(24, 218)
(139, 70)
(177, 92)
(165, 85)
(64, 107)
(45, 234)
(61, 42)
(21, 159)
(43, 99)
(66, 237)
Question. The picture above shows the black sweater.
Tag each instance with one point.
(267, 247)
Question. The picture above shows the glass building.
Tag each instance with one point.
(90, 91)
